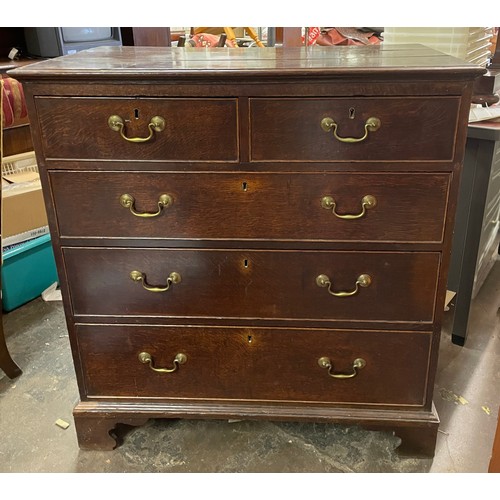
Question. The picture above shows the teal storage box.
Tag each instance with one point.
(28, 269)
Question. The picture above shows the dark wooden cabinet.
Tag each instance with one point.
(258, 233)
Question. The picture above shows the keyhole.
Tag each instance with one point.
(352, 112)
(136, 114)
(249, 339)
(244, 186)
(245, 262)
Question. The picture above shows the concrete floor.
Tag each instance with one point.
(467, 397)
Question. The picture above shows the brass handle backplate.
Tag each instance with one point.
(371, 125)
(117, 124)
(146, 358)
(128, 201)
(173, 278)
(323, 281)
(357, 364)
(367, 201)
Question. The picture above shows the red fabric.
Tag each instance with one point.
(13, 102)
(347, 36)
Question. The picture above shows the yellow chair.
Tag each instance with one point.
(230, 34)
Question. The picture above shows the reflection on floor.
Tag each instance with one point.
(467, 397)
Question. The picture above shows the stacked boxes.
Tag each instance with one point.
(28, 260)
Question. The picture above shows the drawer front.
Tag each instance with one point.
(255, 364)
(415, 129)
(194, 129)
(406, 207)
(253, 284)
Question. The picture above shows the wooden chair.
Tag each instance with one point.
(230, 34)
(7, 364)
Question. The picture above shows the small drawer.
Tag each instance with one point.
(287, 285)
(353, 129)
(321, 366)
(326, 207)
(166, 129)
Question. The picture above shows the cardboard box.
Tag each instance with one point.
(23, 207)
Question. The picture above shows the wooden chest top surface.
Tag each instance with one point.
(133, 62)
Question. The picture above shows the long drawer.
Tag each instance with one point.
(326, 207)
(382, 368)
(325, 285)
(181, 130)
(388, 129)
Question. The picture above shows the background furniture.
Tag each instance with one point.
(229, 32)
(16, 137)
(147, 37)
(7, 364)
(476, 237)
(281, 255)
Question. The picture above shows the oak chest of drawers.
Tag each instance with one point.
(259, 234)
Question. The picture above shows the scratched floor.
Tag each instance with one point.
(467, 396)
